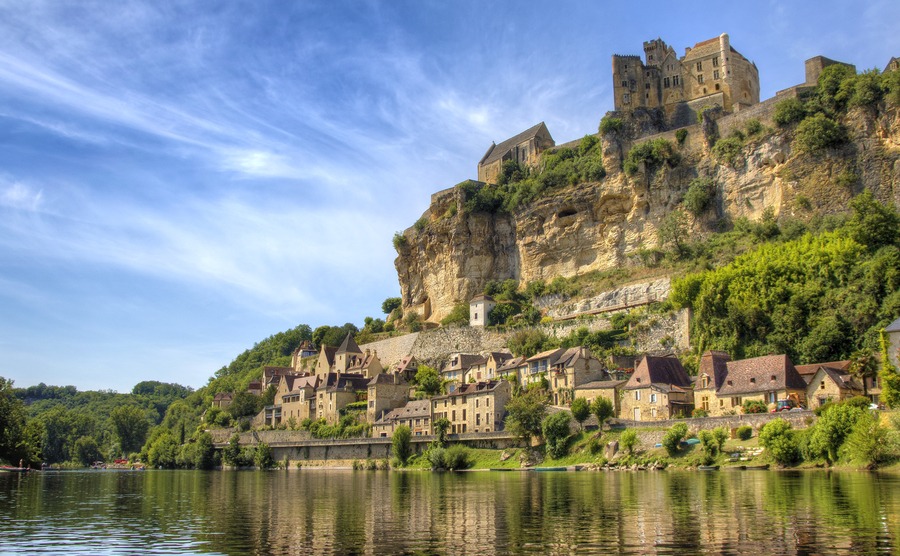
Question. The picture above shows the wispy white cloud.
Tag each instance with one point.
(20, 196)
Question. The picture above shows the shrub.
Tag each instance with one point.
(673, 438)
(652, 153)
(778, 439)
(819, 132)
(867, 444)
(581, 410)
(420, 224)
(699, 196)
(610, 125)
(699, 413)
(629, 441)
(401, 446)
(400, 241)
(755, 406)
(832, 428)
(745, 432)
(262, 456)
(453, 458)
(712, 441)
(594, 446)
(753, 127)
(789, 111)
(602, 408)
(555, 428)
(681, 135)
(728, 150)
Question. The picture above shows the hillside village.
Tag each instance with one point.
(660, 94)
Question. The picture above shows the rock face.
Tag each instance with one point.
(604, 225)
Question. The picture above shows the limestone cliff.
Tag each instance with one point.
(449, 256)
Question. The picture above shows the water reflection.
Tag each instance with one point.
(343, 512)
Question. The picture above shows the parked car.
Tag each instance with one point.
(785, 405)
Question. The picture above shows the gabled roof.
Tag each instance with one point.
(272, 375)
(843, 380)
(761, 374)
(713, 364)
(658, 370)
(388, 378)
(295, 383)
(496, 152)
(511, 364)
(551, 355)
(329, 355)
(407, 363)
(344, 381)
(807, 371)
(413, 409)
(223, 396)
(464, 361)
(602, 385)
(348, 346)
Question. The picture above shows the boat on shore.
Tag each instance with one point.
(7, 469)
(707, 468)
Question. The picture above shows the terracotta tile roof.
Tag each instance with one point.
(407, 363)
(658, 370)
(843, 380)
(551, 355)
(713, 364)
(761, 374)
(496, 152)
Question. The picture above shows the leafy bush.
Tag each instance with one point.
(832, 428)
(745, 432)
(262, 456)
(867, 444)
(778, 439)
(581, 410)
(401, 446)
(819, 132)
(400, 241)
(629, 441)
(673, 438)
(755, 406)
(652, 153)
(699, 413)
(712, 441)
(729, 149)
(699, 196)
(681, 135)
(789, 111)
(458, 315)
(420, 224)
(610, 124)
(555, 428)
(753, 127)
(456, 457)
(602, 408)
(525, 414)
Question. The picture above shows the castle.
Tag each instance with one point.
(712, 73)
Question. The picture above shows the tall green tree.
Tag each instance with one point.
(14, 445)
(525, 412)
(581, 410)
(401, 445)
(428, 380)
(130, 425)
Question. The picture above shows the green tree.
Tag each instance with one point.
(581, 410)
(401, 444)
(699, 196)
(832, 428)
(244, 404)
(389, 304)
(867, 444)
(819, 132)
(205, 453)
(130, 425)
(789, 111)
(872, 223)
(441, 427)
(863, 367)
(524, 414)
(602, 408)
(262, 456)
(778, 439)
(629, 441)
(164, 451)
(13, 440)
(428, 380)
(673, 231)
(673, 438)
(556, 429)
(86, 451)
(232, 451)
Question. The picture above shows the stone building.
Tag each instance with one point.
(386, 392)
(710, 377)
(486, 367)
(609, 389)
(416, 415)
(767, 379)
(366, 364)
(347, 355)
(711, 73)
(892, 65)
(222, 399)
(479, 308)
(296, 395)
(831, 385)
(524, 148)
(272, 375)
(456, 370)
(658, 389)
(336, 391)
(815, 65)
(478, 407)
(515, 367)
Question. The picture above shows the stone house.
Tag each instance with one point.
(336, 391)
(366, 364)
(892, 65)
(297, 396)
(255, 388)
(711, 73)
(486, 367)
(710, 377)
(386, 392)
(807, 372)
(609, 389)
(658, 389)
(347, 355)
(767, 379)
(524, 148)
(272, 375)
(478, 407)
(325, 361)
(222, 399)
(305, 350)
(408, 367)
(415, 414)
(829, 384)
(479, 307)
(564, 370)
(514, 367)
(456, 370)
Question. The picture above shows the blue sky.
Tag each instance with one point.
(179, 180)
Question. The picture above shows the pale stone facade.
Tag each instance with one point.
(479, 308)
(476, 407)
(386, 392)
(892, 339)
(609, 389)
(710, 377)
(336, 391)
(830, 385)
(524, 148)
(658, 389)
(416, 415)
(768, 379)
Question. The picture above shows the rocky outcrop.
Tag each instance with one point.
(604, 225)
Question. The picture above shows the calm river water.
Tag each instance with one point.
(484, 513)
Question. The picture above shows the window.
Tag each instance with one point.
(652, 398)
(700, 78)
(624, 83)
(716, 62)
(721, 403)
(487, 402)
(453, 415)
(666, 82)
(476, 402)
(464, 414)
(476, 316)
(699, 66)
(735, 401)
(716, 74)
(478, 419)
(637, 395)
(647, 86)
(676, 80)
(822, 385)
(752, 380)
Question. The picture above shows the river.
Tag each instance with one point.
(485, 513)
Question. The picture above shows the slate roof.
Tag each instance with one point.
(297, 383)
(464, 361)
(511, 364)
(658, 370)
(387, 378)
(713, 363)
(272, 375)
(761, 374)
(413, 409)
(807, 371)
(602, 385)
(407, 363)
(893, 327)
(344, 381)
(348, 346)
(495, 152)
(361, 363)
(473, 388)
(843, 380)
(551, 355)
(329, 355)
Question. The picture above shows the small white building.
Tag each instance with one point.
(479, 308)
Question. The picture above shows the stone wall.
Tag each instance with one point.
(392, 350)
(797, 419)
(626, 297)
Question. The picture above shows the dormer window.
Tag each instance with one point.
(730, 383)
(773, 378)
(752, 381)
